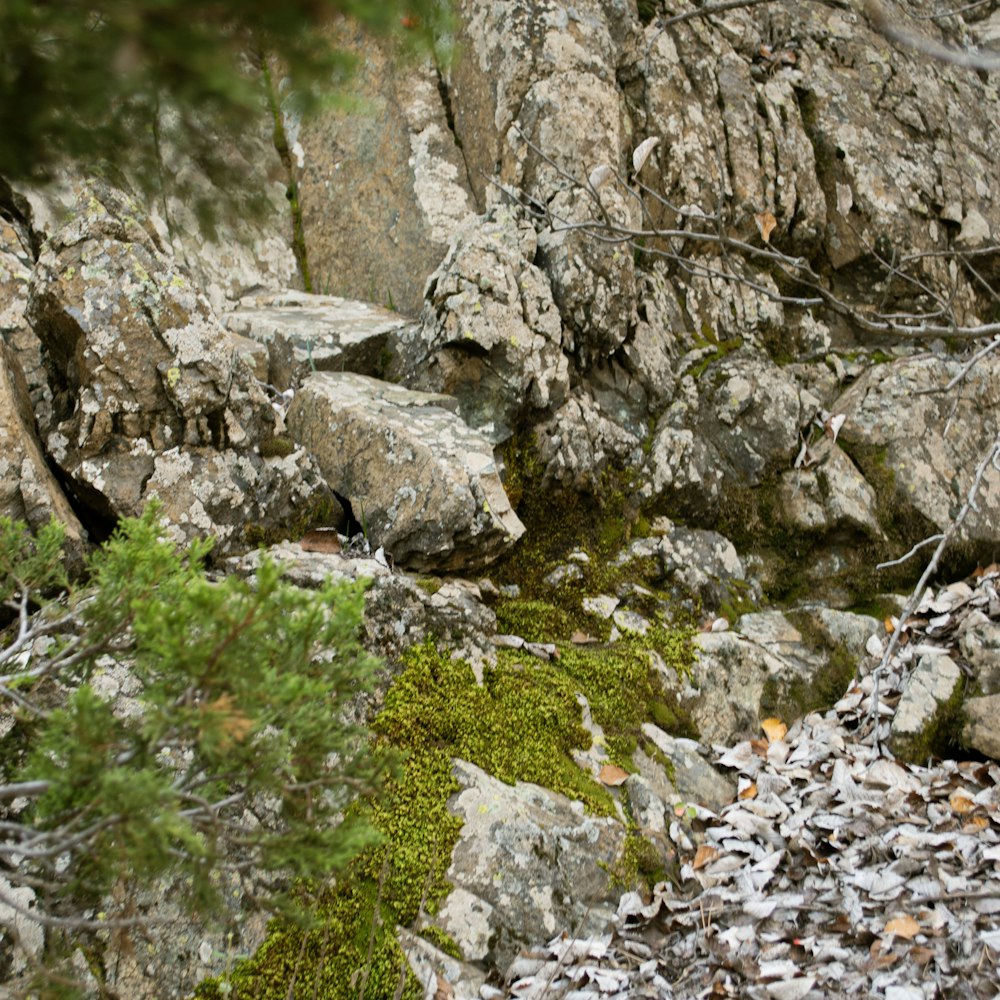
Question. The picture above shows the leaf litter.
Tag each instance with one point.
(838, 871)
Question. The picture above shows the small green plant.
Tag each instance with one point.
(242, 696)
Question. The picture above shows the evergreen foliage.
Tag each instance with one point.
(111, 83)
(235, 753)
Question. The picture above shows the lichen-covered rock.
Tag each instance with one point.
(981, 728)
(919, 448)
(304, 333)
(28, 490)
(929, 697)
(421, 481)
(151, 397)
(728, 428)
(529, 863)
(490, 334)
(772, 664)
(829, 496)
(383, 186)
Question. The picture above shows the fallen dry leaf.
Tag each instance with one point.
(765, 224)
(750, 792)
(321, 540)
(581, 638)
(774, 729)
(903, 926)
(612, 774)
(961, 803)
(705, 854)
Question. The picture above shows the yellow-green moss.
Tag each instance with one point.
(276, 446)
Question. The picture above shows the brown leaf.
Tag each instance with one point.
(890, 626)
(920, 954)
(703, 856)
(234, 724)
(321, 540)
(774, 729)
(750, 792)
(903, 926)
(581, 638)
(975, 824)
(765, 224)
(759, 747)
(961, 803)
(612, 774)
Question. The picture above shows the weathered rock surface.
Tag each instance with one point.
(528, 863)
(28, 490)
(383, 185)
(920, 447)
(771, 663)
(490, 334)
(725, 430)
(423, 483)
(304, 333)
(151, 397)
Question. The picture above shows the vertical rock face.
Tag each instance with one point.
(150, 395)
(382, 184)
(28, 490)
(420, 481)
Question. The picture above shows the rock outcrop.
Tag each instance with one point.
(151, 397)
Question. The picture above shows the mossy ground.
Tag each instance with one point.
(521, 724)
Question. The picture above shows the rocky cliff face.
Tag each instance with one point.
(692, 302)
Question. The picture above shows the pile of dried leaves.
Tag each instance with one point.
(838, 871)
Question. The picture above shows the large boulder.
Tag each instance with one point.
(420, 482)
(151, 395)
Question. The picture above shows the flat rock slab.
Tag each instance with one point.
(423, 484)
(316, 332)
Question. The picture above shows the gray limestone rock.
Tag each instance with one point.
(529, 863)
(927, 696)
(490, 334)
(981, 729)
(151, 395)
(304, 333)
(423, 482)
(736, 422)
(919, 449)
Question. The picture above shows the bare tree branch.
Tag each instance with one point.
(988, 62)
